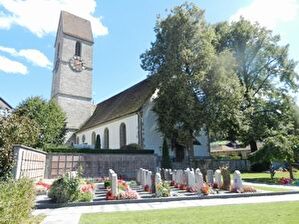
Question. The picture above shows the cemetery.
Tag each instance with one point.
(148, 186)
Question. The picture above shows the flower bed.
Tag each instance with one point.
(124, 192)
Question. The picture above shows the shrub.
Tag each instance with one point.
(132, 146)
(165, 162)
(260, 166)
(85, 196)
(16, 201)
(107, 184)
(65, 189)
(163, 189)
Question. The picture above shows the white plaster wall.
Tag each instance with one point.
(113, 126)
(202, 150)
(152, 138)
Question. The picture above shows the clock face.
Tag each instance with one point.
(76, 64)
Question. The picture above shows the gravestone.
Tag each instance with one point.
(191, 178)
(237, 180)
(114, 184)
(210, 177)
(180, 174)
(149, 179)
(199, 179)
(226, 178)
(110, 171)
(218, 178)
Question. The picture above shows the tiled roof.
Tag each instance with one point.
(127, 102)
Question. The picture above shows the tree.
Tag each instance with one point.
(98, 142)
(177, 60)
(165, 162)
(15, 129)
(264, 71)
(279, 148)
(197, 88)
(48, 115)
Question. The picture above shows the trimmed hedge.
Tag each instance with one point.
(16, 201)
(99, 151)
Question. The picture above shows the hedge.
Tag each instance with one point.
(16, 201)
(99, 151)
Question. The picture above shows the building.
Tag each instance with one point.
(126, 118)
(5, 108)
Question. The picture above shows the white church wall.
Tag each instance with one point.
(202, 150)
(131, 123)
(152, 138)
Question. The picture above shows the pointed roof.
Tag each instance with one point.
(75, 26)
(127, 102)
(4, 104)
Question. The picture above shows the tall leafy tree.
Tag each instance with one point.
(165, 162)
(15, 129)
(48, 115)
(264, 71)
(195, 85)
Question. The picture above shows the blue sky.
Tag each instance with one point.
(123, 30)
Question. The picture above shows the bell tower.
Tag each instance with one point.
(72, 72)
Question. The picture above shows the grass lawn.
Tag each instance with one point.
(272, 189)
(274, 213)
(265, 177)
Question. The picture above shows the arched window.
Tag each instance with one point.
(106, 138)
(122, 135)
(77, 140)
(78, 49)
(83, 139)
(93, 138)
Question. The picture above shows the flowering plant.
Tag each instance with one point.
(285, 181)
(42, 184)
(191, 189)
(129, 194)
(182, 187)
(205, 189)
(87, 188)
(163, 189)
(122, 185)
(172, 183)
(110, 196)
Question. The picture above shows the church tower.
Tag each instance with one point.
(72, 73)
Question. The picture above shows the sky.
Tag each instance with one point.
(123, 30)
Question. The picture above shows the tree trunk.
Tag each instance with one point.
(253, 146)
(291, 171)
(191, 153)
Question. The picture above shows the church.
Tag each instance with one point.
(123, 119)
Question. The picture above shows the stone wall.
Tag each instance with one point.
(242, 165)
(29, 162)
(97, 165)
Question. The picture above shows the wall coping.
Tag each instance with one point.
(29, 148)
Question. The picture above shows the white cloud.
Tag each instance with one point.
(41, 16)
(10, 66)
(269, 13)
(32, 55)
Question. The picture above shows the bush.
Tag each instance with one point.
(65, 189)
(165, 162)
(85, 196)
(132, 146)
(16, 201)
(260, 166)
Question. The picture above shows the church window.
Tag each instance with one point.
(106, 138)
(83, 139)
(98, 142)
(122, 135)
(93, 138)
(78, 49)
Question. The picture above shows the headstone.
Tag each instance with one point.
(114, 184)
(110, 171)
(218, 178)
(210, 177)
(143, 174)
(191, 178)
(226, 178)
(158, 181)
(173, 176)
(149, 179)
(180, 174)
(237, 180)
(198, 179)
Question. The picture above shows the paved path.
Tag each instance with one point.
(71, 215)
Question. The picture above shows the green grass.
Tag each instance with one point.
(272, 189)
(265, 177)
(274, 213)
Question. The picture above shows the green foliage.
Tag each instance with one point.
(65, 189)
(15, 129)
(165, 162)
(132, 146)
(261, 62)
(48, 115)
(85, 197)
(107, 183)
(16, 201)
(101, 151)
(98, 142)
